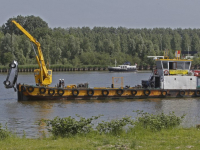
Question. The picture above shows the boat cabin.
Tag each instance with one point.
(171, 74)
(173, 66)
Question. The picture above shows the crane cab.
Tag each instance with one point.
(43, 81)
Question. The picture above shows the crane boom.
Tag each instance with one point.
(43, 76)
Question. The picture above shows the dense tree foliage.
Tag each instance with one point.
(97, 46)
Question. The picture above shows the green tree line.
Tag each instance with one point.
(96, 46)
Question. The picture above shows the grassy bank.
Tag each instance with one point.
(135, 139)
(147, 131)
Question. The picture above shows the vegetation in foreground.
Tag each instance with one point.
(148, 131)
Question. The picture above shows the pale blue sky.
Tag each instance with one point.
(125, 13)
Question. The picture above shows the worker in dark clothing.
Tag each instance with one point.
(59, 84)
(63, 83)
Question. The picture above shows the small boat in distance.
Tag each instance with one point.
(123, 68)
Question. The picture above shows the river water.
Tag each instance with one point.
(24, 116)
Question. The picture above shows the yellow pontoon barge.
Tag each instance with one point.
(171, 78)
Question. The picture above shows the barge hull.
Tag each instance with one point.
(97, 94)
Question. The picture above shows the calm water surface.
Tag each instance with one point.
(23, 116)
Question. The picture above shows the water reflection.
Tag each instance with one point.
(113, 109)
(24, 115)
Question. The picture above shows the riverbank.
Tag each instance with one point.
(147, 131)
(179, 138)
(62, 68)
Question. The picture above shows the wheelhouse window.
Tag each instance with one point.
(49, 72)
(180, 65)
(36, 73)
(158, 65)
(165, 64)
(187, 65)
(172, 65)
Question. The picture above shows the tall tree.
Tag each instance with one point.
(185, 42)
(30, 23)
(176, 41)
(73, 45)
(195, 44)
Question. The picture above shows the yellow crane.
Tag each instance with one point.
(43, 76)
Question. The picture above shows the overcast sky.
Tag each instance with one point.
(115, 13)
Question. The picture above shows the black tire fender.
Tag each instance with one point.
(75, 92)
(60, 92)
(164, 93)
(197, 93)
(105, 92)
(120, 92)
(147, 92)
(133, 92)
(42, 90)
(181, 92)
(90, 92)
(30, 89)
(51, 92)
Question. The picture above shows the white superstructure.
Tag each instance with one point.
(179, 82)
(172, 74)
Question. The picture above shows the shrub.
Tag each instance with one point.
(61, 66)
(4, 67)
(65, 127)
(159, 121)
(114, 126)
(27, 66)
(4, 133)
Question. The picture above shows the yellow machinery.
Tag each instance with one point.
(43, 77)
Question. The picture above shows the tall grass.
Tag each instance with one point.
(137, 138)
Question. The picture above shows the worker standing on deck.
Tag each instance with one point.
(59, 84)
(63, 83)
